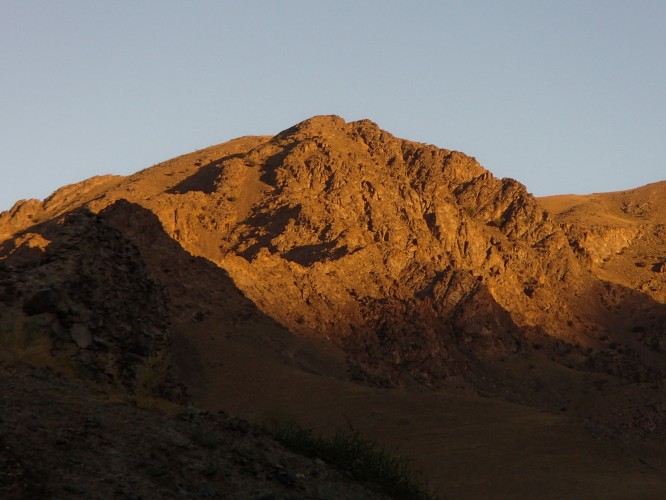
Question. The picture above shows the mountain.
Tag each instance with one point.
(334, 271)
(621, 234)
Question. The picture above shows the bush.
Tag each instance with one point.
(22, 344)
(151, 373)
(359, 456)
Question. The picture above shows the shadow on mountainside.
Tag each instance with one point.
(204, 298)
(204, 180)
(86, 298)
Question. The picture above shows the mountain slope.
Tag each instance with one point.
(334, 260)
(415, 260)
(623, 234)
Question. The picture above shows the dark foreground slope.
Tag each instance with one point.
(63, 438)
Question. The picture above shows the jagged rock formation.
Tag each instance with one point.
(622, 235)
(83, 284)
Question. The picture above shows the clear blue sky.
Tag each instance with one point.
(567, 96)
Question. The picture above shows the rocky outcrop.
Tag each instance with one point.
(621, 235)
(599, 243)
(86, 286)
(308, 273)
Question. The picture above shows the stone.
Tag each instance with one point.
(81, 335)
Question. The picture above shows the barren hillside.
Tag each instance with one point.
(623, 234)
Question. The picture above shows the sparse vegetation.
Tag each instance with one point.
(361, 457)
(23, 344)
(470, 211)
(150, 376)
(151, 373)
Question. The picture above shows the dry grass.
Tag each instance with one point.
(151, 373)
(22, 343)
(25, 344)
(149, 376)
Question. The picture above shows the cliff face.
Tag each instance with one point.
(415, 260)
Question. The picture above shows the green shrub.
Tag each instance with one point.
(359, 456)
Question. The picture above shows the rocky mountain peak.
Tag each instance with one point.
(416, 260)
